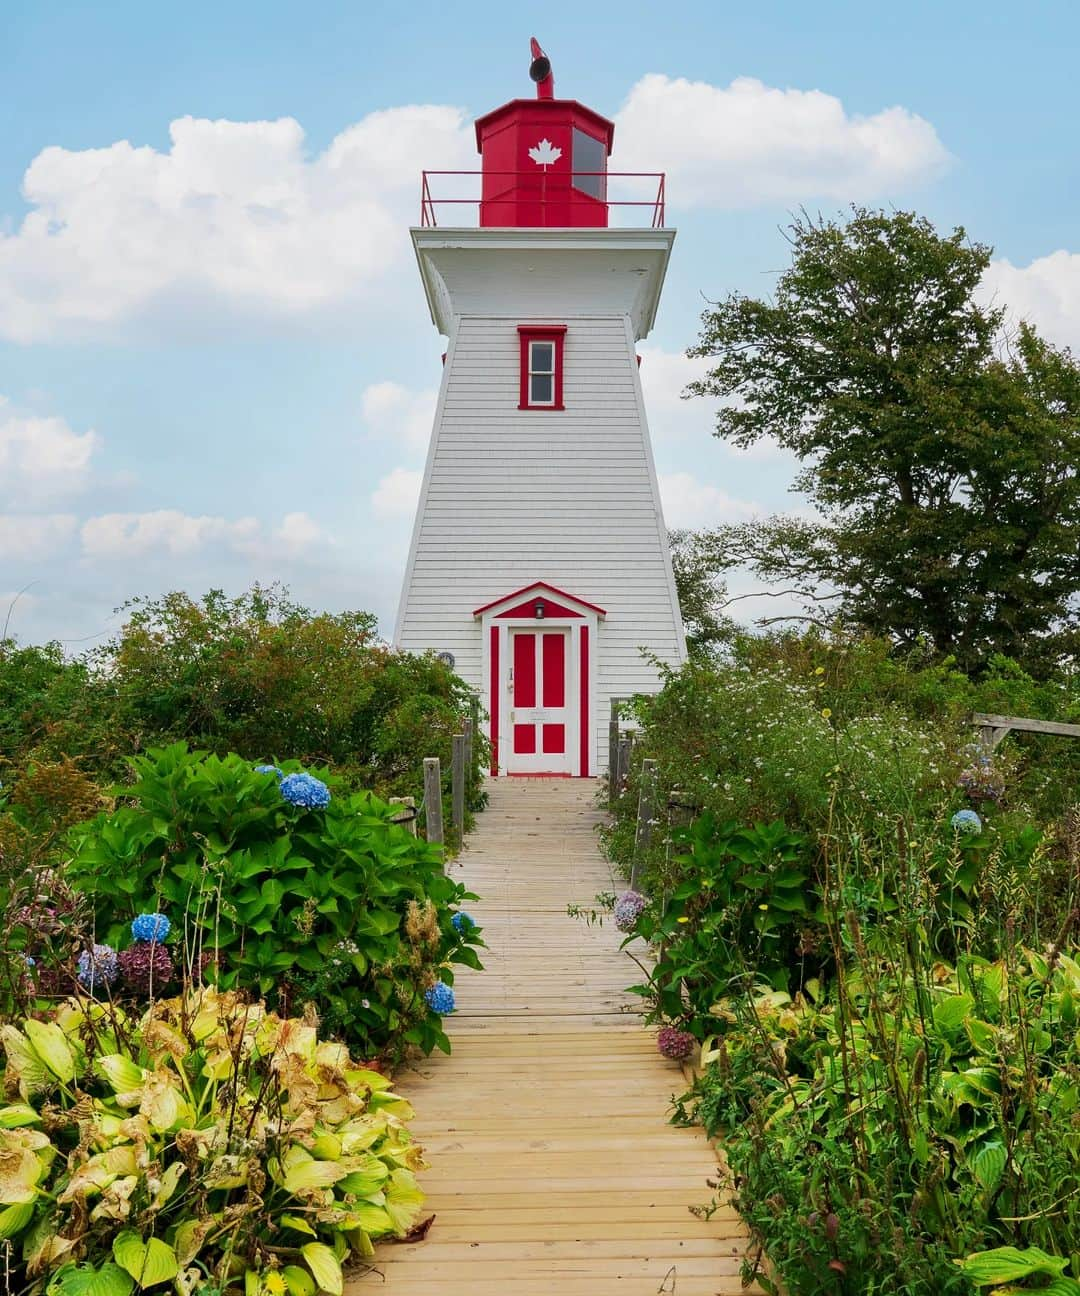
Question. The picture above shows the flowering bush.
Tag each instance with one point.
(314, 899)
(210, 1144)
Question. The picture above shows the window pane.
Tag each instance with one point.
(541, 389)
(588, 155)
(543, 357)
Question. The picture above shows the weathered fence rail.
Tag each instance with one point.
(993, 728)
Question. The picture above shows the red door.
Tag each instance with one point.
(539, 702)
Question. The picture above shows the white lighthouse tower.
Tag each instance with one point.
(539, 555)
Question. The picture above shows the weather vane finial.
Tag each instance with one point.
(540, 71)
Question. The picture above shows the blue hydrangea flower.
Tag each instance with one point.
(151, 927)
(269, 769)
(440, 998)
(463, 922)
(29, 960)
(967, 823)
(98, 967)
(304, 790)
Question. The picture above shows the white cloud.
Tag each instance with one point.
(128, 535)
(398, 413)
(41, 457)
(233, 212)
(300, 531)
(30, 537)
(745, 143)
(397, 494)
(692, 503)
(1046, 292)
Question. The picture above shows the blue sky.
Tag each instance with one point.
(215, 360)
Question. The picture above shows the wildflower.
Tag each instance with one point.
(820, 670)
(269, 769)
(628, 909)
(463, 922)
(274, 1284)
(683, 919)
(440, 998)
(151, 927)
(146, 967)
(967, 823)
(826, 712)
(674, 1043)
(98, 966)
(304, 790)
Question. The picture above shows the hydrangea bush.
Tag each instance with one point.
(273, 880)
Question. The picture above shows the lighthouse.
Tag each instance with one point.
(539, 561)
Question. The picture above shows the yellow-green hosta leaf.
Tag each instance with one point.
(298, 1281)
(361, 1243)
(163, 1102)
(125, 1077)
(403, 1200)
(18, 1115)
(21, 1168)
(313, 1174)
(989, 1164)
(252, 1282)
(50, 1045)
(325, 1267)
(23, 1064)
(298, 1223)
(367, 1174)
(13, 1219)
(987, 1268)
(149, 1263)
(228, 1171)
(170, 1181)
(370, 1219)
(327, 1147)
(189, 1236)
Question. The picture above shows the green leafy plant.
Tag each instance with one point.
(272, 894)
(210, 1145)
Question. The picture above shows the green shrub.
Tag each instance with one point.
(211, 1145)
(275, 894)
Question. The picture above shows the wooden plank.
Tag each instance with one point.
(551, 1163)
(433, 800)
(989, 721)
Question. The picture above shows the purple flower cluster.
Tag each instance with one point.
(674, 1043)
(146, 967)
(980, 780)
(628, 909)
(98, 967)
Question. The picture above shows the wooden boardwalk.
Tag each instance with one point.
(552, 1166)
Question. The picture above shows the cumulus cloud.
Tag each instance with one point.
(30, 537)
(745, 143)
(1046, 293)
(233, 212)
(41, 458)
(128, 535)
(300, 531)
(689, 502)
(397, 494)
(395, 412)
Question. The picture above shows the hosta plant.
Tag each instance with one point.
(297, 896)
(210, 1144)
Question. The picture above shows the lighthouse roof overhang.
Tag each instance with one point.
(549, 273)
(561, 109)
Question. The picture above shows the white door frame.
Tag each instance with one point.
(562, 611)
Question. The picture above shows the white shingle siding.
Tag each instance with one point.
(568, 497)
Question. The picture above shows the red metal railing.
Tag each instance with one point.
(559, 197)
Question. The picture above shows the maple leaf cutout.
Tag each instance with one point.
(545, 153)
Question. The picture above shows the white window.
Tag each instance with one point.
(541, 373)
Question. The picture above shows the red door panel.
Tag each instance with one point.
(554, 671)
(525, 670)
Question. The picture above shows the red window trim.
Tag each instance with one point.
(541, 333)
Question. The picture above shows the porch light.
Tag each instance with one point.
(538, 609)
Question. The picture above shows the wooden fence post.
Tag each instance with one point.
(645, 811)
(457, 788)
(408, 818)
(626, 746)
(613, 754)
(433, 799)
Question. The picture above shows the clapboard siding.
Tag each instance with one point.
(515, 496)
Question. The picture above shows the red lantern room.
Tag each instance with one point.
(544, 159)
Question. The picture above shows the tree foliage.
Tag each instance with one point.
(941, 460)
